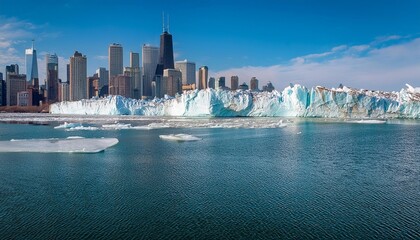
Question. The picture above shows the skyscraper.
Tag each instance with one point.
(134, 60)
(115, 57)
(254, 84)
(103, 75)
(172, 80)
(221, 83)
(135, 73)
(78, 77)
(15, 83)
(31, 66)
(52, 77)
(2, 90)
(203, 74)
(211, 82)
(166, 55)
(150, 60)
(188, 71)
(234, 82)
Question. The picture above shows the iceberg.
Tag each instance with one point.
(293, 101)
(179, 137)
(57, 145)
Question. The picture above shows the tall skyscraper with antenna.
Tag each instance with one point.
(166, 56)
(31, 65)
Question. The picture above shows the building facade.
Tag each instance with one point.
(78, 77)
(134, 72)
(188, 71)
(31, 65)
(120, 85)
(212, 82)
(166, 53)
(103, 75)
(93, 86)
(15, 83)
(203, 74)
(220, 83)
(150, 60)
(63, 91)
(268, 88)
(52, 78)
(254, 84)
(115, 58)
(172, 79)
(234, 82)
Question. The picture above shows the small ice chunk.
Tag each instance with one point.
(180, 137)
(369, 121)
(57, 145)
(117, 126)
(68, 125)
(82, 128)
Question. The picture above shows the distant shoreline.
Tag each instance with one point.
(25, 109)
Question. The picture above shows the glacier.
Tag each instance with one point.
(294, 101)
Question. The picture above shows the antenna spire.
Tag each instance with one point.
(163, 21)
(33, 43)
(168, 23)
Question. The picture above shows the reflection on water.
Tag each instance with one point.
(333, 180)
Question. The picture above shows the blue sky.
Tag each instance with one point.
(363, 44)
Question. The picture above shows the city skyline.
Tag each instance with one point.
(327, 43)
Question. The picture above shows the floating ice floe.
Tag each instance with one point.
(117, 126)
(180, 137)
(58, 145)
(369, 121)
(68, 125)
(82, 128)
(152, 126)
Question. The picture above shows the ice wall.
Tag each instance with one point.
(293, 101)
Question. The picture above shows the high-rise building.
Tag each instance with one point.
(78, 77)
(150, 60)
(221, 83)
(63, 91)
(166, 54)
(212, 82)
(115, 57)
(203, 74)
(103, 75)
(254, 84)
(120, 85)
(11, 72)
(135, 81)
(32, 66)
(268, 88)
(52, 77)
(15, 83)
(68, 73)
(172, 79)
(134, 60)
(93, 86)
(134, 72)
(188, 71)
(243, 86)
(2, 90)
(234, 82)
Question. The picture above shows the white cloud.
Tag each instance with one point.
(386, 68)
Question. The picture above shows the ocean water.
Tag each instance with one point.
(310, 179)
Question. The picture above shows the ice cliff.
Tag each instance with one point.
(293, 101)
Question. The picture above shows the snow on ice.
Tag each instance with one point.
(293, 101)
